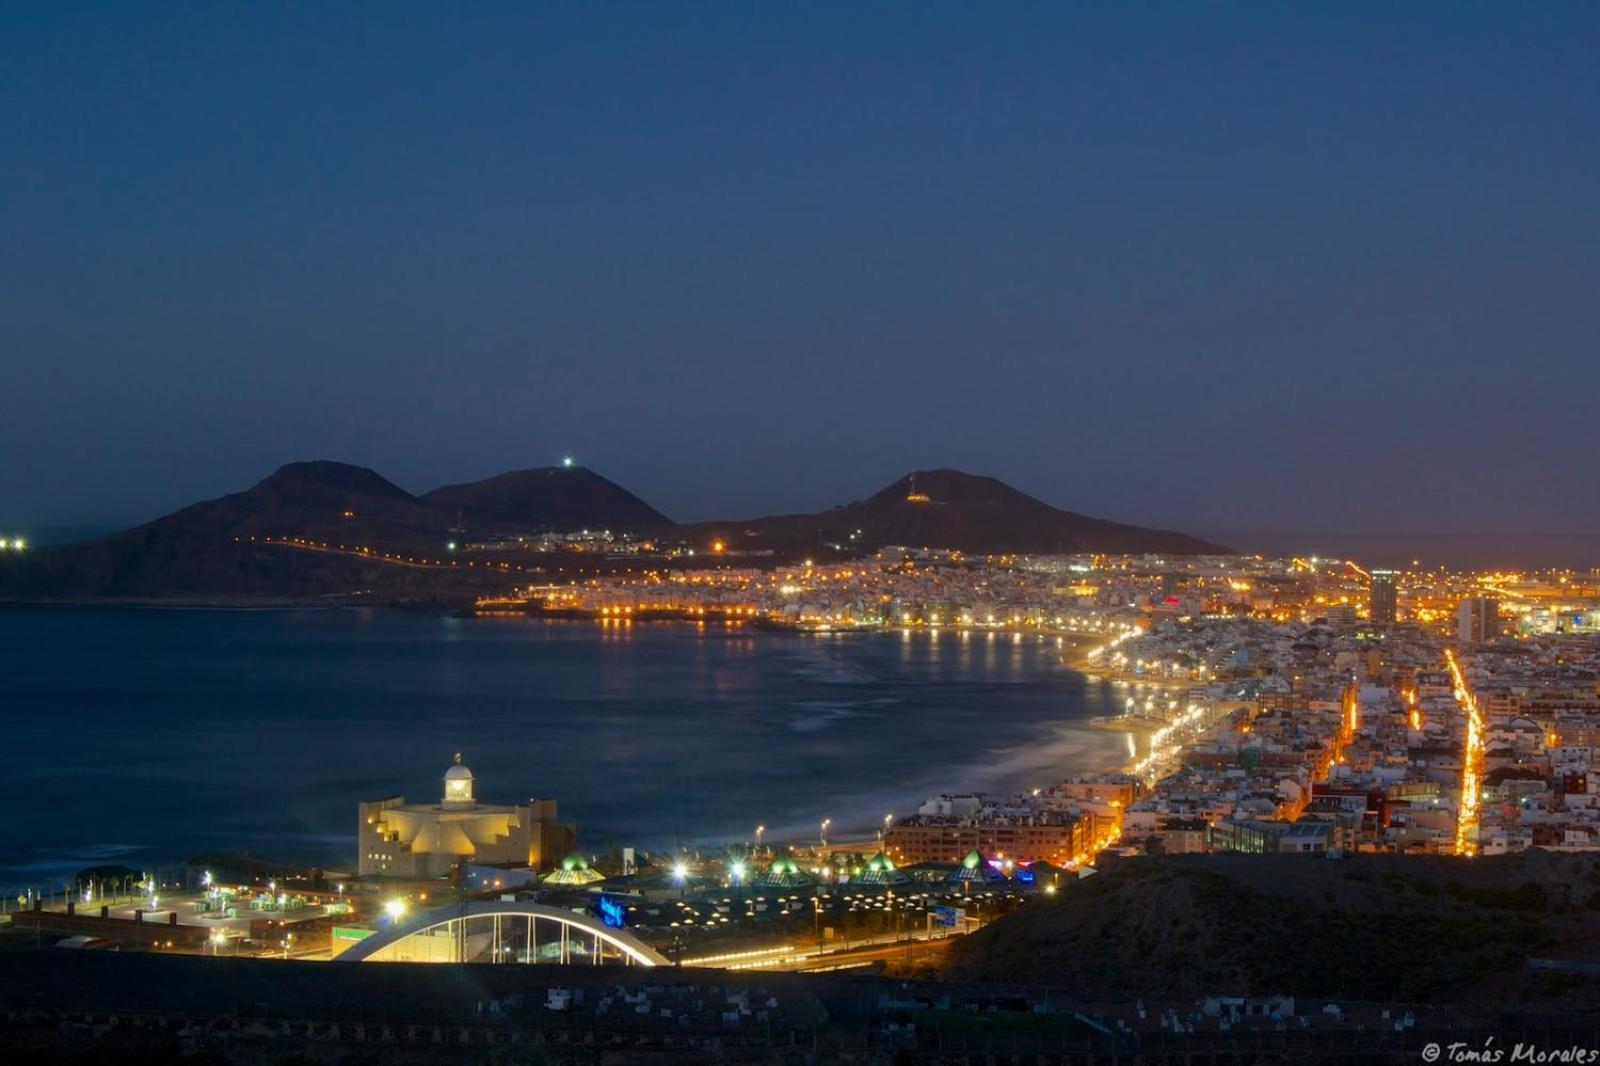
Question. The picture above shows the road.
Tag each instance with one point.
(415, 562)
(1471, 760)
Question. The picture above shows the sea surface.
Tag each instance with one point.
(146, 736)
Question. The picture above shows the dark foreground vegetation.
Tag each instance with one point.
(1412, 929)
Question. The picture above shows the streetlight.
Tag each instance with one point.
(825, 823)
(395, 909)
(760, 829)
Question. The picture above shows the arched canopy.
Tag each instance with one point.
(634, 950)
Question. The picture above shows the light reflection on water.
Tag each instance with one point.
(161, 734)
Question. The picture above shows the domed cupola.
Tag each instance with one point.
(458, 788)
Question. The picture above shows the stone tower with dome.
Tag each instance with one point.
(424, 841)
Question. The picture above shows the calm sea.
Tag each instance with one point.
(146, 736)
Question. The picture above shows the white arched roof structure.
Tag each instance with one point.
(634, 951)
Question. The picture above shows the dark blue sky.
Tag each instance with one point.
(1210, 266)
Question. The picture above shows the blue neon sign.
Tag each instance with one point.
(611, 912)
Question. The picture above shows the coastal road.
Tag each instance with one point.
(415, 562)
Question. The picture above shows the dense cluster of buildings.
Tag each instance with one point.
(1432, 719)
(1062, 825)
(1300, 705)
(904, 587)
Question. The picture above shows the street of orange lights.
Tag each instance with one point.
(1471, 760)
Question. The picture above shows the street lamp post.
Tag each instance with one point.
(760, 829)
(825, 823)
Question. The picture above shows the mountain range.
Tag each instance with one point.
(952, 509)
(218, 549)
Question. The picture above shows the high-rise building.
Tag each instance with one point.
(1478, 619)
(1383, 596)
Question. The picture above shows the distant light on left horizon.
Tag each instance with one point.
(566, 461)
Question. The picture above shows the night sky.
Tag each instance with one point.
(1273, 266)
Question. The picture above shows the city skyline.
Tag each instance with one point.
(1200, 270)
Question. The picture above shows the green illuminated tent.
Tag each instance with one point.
(575, 870)
(784, 872)
(976, 868)
(880, 870)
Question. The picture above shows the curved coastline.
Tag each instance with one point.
(908, 715)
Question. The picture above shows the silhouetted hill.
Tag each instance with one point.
(1403, 927)
(952, 509)
(547, 497)
(206, 551)
(321, 482)
(194, 553)
(216, 550)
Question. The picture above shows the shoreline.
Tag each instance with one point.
(1052, 747)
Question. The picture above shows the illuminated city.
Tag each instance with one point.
(800, 534)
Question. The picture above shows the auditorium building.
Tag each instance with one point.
(423, 841)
